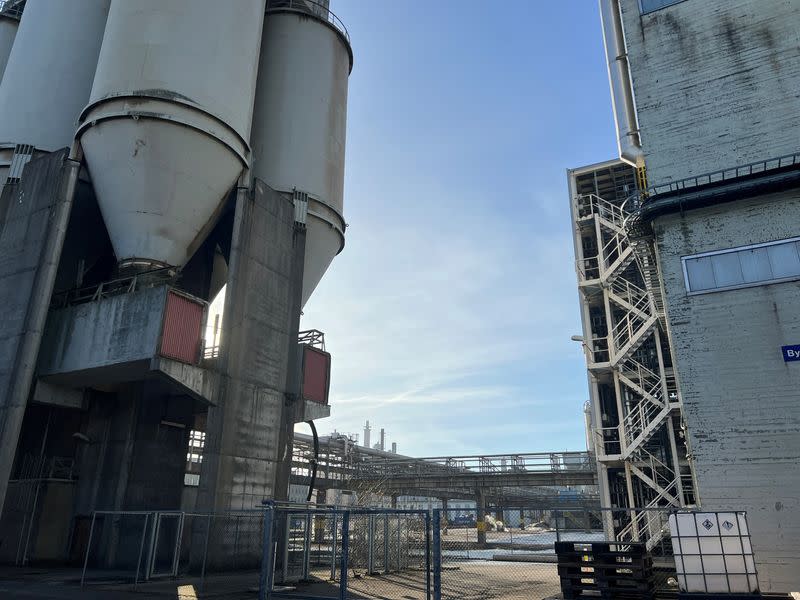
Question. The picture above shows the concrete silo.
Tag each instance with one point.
(170, 78)
(9, 22)
(113, 248)
(53, 57)
(300, 120)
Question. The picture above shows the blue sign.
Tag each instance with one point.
(791, 353)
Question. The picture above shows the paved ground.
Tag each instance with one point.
(472, 580)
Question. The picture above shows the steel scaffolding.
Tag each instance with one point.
(637, 424)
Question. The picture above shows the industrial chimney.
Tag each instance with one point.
(366, 435)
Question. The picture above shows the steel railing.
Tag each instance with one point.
(310, 7)
(12, 8)
(746, 170)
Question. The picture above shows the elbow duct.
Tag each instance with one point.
(630, 146)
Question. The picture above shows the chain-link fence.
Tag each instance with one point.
(302, 551)
(131, 546)
(325, 552)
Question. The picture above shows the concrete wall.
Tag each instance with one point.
(120, 329)
(715, 83)
(741, 401)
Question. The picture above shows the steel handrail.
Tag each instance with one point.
(305, 6)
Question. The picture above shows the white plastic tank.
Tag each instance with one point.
(165, 134)
(300, 120)
(49, 74)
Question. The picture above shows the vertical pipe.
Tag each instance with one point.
(437, 555)
(88, 548)
(345, 555)
(141, 551)
(265, 577)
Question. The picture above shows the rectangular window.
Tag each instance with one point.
(748, 266)
(648, 6)
(759, 264)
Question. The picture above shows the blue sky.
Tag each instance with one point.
(450, 311)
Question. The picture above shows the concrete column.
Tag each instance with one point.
(480, 502)
(247, 442)
(31, 240)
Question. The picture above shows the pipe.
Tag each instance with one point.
(313, 461)
(619, 78)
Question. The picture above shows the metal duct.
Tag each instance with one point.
(619, 77)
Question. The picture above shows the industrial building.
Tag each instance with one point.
(152, 153)
(688, 262)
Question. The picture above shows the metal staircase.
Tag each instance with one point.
(636, 322)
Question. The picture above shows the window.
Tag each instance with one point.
(648, 6)
(747, 266)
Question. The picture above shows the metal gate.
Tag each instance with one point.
(165, 545)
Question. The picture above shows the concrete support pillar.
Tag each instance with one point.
(248, 437)
(480, 502)
(32, 235)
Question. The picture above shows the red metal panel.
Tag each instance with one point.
(316, 375)
(183, 328)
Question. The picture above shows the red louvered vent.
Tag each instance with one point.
(183, 328)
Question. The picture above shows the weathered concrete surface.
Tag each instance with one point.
(741, 401)
(715, 83)
(136, 455)
(115, 340)
(117, 330)
(31, 240)
(243, 434)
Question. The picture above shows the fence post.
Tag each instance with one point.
(386, 544)
(428, 555)
(399, 544)
(205, 554)
(558, 531)
(265, 577)
(88, 548)
(307, 546)
(437, 555)
(370, 544)
(141, 549)
(345, 555)
(333, 551)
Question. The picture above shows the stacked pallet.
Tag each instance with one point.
(605, 569)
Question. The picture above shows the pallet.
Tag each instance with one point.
(704, 596)
(606, 570)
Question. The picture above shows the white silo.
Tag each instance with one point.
(49, 74)
(165, 132)
(9, 22)
(300, 119)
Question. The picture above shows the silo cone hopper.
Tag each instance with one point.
(165, 132)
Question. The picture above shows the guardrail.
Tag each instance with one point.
(498, 464)
(11, 8)
(310, 7)
(746, 170)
